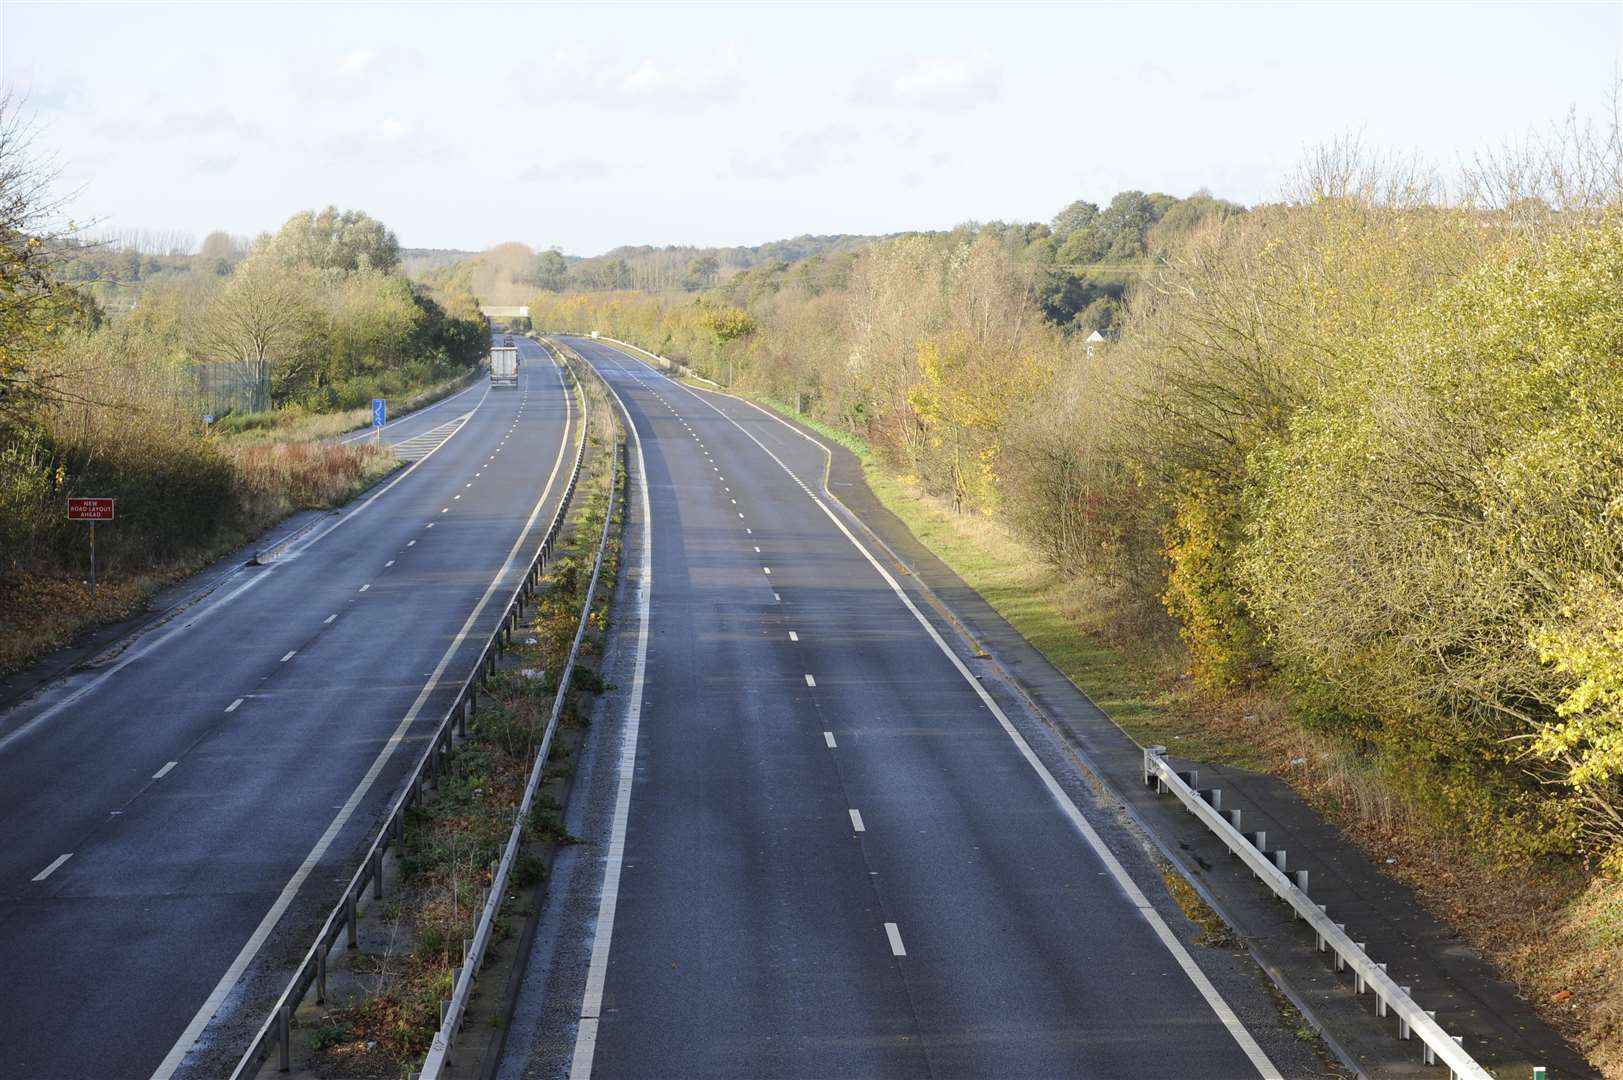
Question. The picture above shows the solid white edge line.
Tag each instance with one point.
(228, 982)
(1225, 1015)
(895, 935)
(56, 864)
(597, 974)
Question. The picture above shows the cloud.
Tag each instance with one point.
(800, 154)
(565, 169)
(579, 75)
(939, 84)
(215, 166)
(355, 63)
(206, 122)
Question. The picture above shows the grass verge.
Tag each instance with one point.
(295, 423)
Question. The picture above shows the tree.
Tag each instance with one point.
(265, 319)
(1074, 218)
(335, 241)
(218, 254)
(551, 271)
(36, 309)
(701, 273)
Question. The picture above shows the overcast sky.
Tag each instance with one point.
(591, 126)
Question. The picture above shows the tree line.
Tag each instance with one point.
(1360, 449)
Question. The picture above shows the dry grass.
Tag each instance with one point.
(42, 610)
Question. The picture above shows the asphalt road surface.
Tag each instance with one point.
(178, 821)
(831, 852)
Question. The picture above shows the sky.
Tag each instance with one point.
(590, 126)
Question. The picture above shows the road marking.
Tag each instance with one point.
(895, 936)
(233, 706)
(768, 569)
(749, 531)
(329, 618)
(856, 821)
(367, 586)
(430, 525)
(810, 681)
(469, 484)
(233, 975)
(163, 772)
(778, 598)
(388, 564)
(828, 737)
(55, 865)
(289, 655)
(1067, 807)
(445, 509)
(597, 973)
(793, 636)
(458, 495)
(740, 517)
(410, 543)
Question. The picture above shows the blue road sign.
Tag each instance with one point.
(380, 412)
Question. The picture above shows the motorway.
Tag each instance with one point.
(824, 849)
(178, 821)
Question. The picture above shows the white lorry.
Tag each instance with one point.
(503, 366)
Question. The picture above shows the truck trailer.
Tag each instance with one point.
(504, 366)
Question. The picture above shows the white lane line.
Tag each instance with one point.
(597, 974)
(388, 564)
(768, 569)
(793, 636)
(445, 509)
(748, 531)
(856, 822)
(233, 706)
(778, 598)
(741, 517)
(55, 865)
(1068, 808)
(289, 655)
(458, 495)
(329, 618)
(895, 936)
(411, 543)
(245, 957)
(828, 737)
(810, 681)
(365, 587)
(163, 772)
(757, 550)
(430, 525)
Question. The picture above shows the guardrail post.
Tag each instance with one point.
(321, 975)
(1151, 777)
(1404, 1031)
(1427, 1054)
(1279, 858)
(349, 920)
(284, 1038)
(377, 874)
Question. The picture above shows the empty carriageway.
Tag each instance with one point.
(830, 851)
(178, 821)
